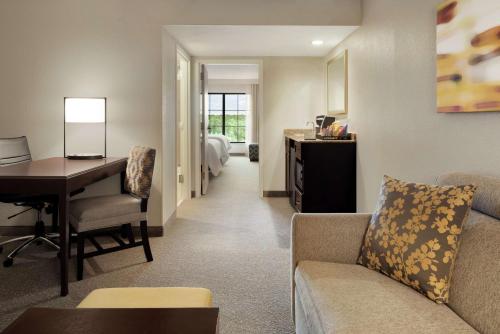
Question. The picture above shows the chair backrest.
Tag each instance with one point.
(474, 285)
(14, 151)
(139, 175)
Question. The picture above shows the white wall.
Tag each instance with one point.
(230, 86)
(53, 49)
(392, 103)
(293, 95)
(56, 48)
(169, 126)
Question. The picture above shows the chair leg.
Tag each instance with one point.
(49, 242)
(124, 231)
(80, 243)
(54, 211)
(130, 234)
(145, 241)
(69, 246)
(27, 237)
(21, 247)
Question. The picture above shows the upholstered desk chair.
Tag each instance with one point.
(15, 151)
(112, 215)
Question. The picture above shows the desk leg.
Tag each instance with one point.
(63, 206)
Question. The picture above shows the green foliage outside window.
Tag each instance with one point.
(227, 115)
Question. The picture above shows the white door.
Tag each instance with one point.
(182, 128)
(204, 128)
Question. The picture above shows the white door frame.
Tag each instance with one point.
(203, 127)
(187, 173)
(195, 107)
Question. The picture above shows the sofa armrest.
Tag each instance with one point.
(332, 237)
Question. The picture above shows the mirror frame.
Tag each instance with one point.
(333, 59)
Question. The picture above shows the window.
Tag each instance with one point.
(227, 114)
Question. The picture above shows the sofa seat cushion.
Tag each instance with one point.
(93, 213)
(348, 298)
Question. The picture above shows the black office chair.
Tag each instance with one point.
(16, 151)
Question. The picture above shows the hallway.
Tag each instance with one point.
(239, 243)
(230, 241)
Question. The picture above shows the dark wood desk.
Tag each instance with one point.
(110, 321)
(58, 177)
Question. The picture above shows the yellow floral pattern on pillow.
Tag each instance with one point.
(414, 234)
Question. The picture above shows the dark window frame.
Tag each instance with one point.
(224, 113)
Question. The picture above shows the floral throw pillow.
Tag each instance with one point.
(414, 234)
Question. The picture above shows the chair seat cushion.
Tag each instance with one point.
(93, 213)
(148, 298)
(347, 298)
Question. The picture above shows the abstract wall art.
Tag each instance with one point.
(468, 56)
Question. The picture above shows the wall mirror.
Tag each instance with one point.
(336, 84)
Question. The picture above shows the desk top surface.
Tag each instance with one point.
(110, 321)
(55, 167)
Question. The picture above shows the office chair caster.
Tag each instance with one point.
(8, 262)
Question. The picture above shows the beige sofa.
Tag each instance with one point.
(332, 294)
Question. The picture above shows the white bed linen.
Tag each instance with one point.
(225, 147)
(224, 139)
(215, 149)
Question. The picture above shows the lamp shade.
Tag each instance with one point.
(84, 110)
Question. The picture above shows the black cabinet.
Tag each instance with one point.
(321, 175)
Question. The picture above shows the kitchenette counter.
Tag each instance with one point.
(320, 178)
(298, 135)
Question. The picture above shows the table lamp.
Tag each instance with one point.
(84, 128)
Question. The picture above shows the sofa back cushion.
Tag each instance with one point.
(487, 196)
(414, 234)
(475, 285)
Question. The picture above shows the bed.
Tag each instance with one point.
(218, 147)
(223, 139)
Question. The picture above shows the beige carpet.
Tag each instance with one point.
(230, 241)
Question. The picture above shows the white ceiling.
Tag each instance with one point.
(233, 71)
(204, 41)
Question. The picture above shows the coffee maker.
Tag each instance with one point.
(322, 122)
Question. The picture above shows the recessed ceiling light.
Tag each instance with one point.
(317, 42)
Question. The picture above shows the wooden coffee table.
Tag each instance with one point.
(119, 321)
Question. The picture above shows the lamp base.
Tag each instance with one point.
(85, 156)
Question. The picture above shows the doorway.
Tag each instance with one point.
(231, 105)
(183, 127)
